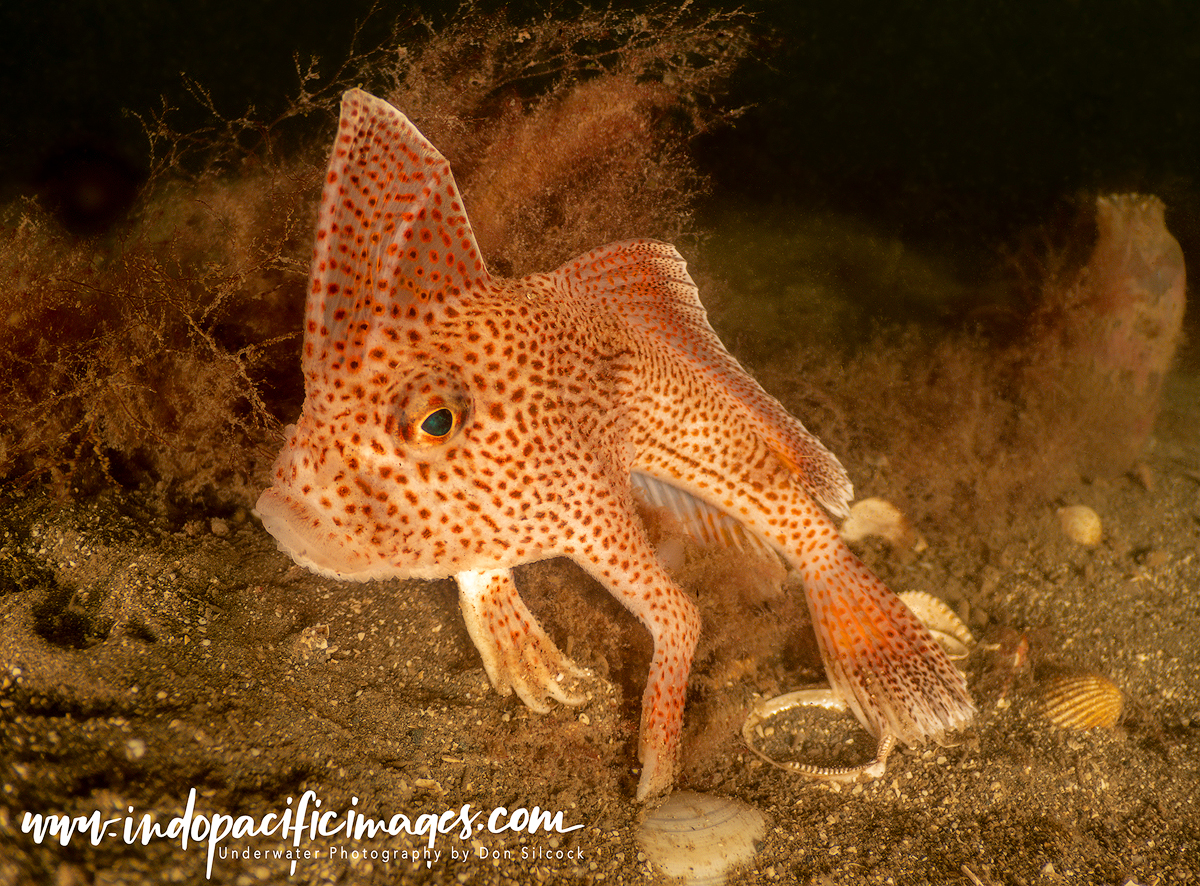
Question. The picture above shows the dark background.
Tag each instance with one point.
(950, 122)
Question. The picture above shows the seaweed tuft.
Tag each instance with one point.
(164, 353)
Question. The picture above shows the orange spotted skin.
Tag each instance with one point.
(457, 424)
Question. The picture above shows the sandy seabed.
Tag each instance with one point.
(228, 671)
(166, 660)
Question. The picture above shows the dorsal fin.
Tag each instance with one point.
(646, 283)
(391, 231)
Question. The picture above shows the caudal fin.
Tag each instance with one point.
(877, 654)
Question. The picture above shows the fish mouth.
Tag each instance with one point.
(302, 533)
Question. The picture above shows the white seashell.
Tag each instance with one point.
(699, 838)
(876, 517)
(1081, 524)
(946, 627)
(826, 699)
(1081, 701)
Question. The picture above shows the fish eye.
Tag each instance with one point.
(428, 407)
(438, 423)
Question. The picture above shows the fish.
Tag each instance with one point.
(461, 424)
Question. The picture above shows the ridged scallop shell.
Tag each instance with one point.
(1081, 701)
(946, 627)
(700, 838)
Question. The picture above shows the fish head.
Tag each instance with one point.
(373, 480)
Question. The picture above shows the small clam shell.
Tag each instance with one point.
(700, 837)
(875, 516)
(946, 627)
(1081, 701)
(1081, 524)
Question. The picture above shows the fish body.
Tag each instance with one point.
(457, 424)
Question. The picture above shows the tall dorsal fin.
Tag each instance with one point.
(391, 232)
(646, 283)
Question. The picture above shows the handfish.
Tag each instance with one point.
(460, 424)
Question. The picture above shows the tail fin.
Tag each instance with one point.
(877, 654)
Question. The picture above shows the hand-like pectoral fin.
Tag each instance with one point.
(632, 574)
(517, 654)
